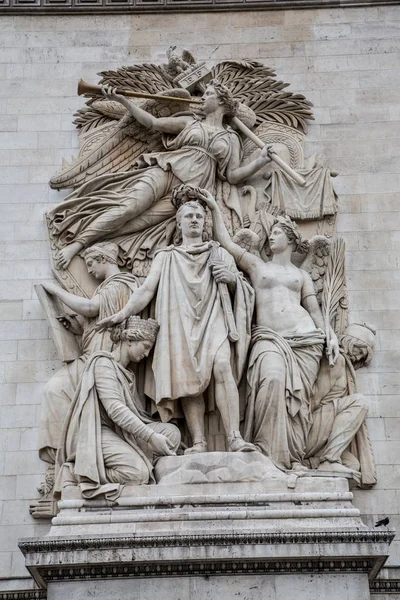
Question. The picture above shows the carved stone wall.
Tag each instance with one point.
(345, 60)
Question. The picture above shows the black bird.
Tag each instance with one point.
(384, 521)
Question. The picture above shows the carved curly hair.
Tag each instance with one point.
(293, 234)
(135, 329)
(224, 94)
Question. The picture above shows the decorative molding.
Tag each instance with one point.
(335, 537)
(24, 595)
(191, 568)
(65, 7)
(385, 586)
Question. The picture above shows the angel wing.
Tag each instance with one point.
(147, 78)
(334, 295)
(255, 85)
(316, 262)
(117, 147)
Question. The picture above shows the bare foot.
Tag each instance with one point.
(64, 256)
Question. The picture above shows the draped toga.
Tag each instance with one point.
(192, 325)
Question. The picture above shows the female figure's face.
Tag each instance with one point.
(210, 99)
(96, 267)
(278, 240)
(137, 351)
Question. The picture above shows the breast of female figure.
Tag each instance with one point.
(276, 276)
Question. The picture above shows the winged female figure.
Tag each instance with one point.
(196, 152)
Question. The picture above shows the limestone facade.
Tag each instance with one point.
(345, 60)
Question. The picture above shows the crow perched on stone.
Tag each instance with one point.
(384, 521)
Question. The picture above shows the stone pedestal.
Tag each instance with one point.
(251, 533)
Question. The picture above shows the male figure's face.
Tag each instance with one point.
(96, 267)
(191, 221)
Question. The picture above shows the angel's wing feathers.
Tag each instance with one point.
(255, 85)
(334, 294)
(147, 78)
(316, 260)
(117, 147)
(113, 154)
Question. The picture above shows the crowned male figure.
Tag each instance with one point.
(192, 349)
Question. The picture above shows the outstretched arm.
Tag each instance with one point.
(246, 261)
(162, 124)
(83, 306)
(139, 299)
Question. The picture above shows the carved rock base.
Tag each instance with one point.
(281, 537)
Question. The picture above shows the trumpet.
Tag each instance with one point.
(88, 90)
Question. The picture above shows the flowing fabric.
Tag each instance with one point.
(361, 446)
(192, 325)
(98, 209)
(315, 200)
(81, 440)
(280, 377)
(113, 293)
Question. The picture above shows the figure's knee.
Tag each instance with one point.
(222, 368)
(358, 401)
(137, 473)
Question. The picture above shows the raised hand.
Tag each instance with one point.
(265, 153)
(110, 93)
(207, 198)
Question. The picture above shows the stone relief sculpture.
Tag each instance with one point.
(338, 439)
(112, 293)
(171, 196)
(287, 343)
(193, 345)
(107, 440)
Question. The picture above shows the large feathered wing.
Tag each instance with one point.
(117, 147)
(316, 262)
(255, 85)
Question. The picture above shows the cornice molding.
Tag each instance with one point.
(29, 546)
(91, 7)
(24, 595)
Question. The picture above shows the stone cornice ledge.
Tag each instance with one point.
(50, 544)
(65, 7)
(102, 557)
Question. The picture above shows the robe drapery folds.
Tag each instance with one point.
(97, 209)
(360, 446)
(192, 325)
(80, 450)
(315, 200)
(280, 377)
(113, 293)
